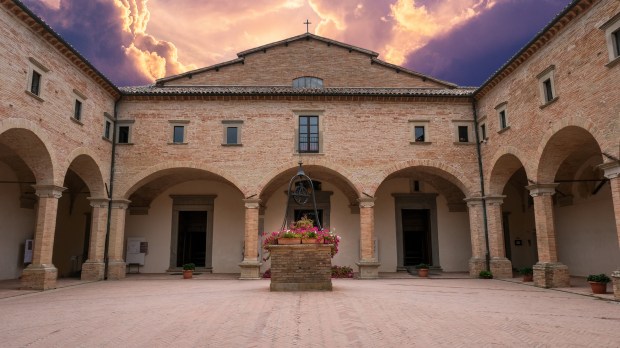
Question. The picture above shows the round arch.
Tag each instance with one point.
(504, 164)
(84, 162)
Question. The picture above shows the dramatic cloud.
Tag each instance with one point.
(138, 41)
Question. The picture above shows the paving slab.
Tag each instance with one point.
(139, 312)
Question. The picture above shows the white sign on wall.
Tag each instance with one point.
(134, 253)
(28, 248)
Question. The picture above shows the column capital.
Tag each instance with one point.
(251, 203)
(98, 202)
(474, 201)
(494, 200)
(120, 203)
(49, 191)
(542, 189)
(611, 170)
(366, 202)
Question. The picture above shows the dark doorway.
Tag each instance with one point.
(299, 213)
(192, 242)
(416, 236)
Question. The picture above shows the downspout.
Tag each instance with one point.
(484, 203)
(111, 190)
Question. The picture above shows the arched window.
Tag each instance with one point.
(307, 82)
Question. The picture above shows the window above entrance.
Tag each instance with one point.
(308, 82)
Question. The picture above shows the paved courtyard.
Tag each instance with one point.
(170, 312)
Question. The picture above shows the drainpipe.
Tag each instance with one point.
(110, 192)
(484, 203)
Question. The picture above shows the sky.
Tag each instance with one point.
(135, 42)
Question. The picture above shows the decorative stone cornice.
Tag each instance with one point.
(98, 202)
(252, 203)
(542, 189)
(366, 202)
(120, 203)
(474, 201)
(49, 191)
(494, 200)
(611, 170)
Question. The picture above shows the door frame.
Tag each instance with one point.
(417, 201)
(191, 203)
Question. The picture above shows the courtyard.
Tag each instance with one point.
(221, 311)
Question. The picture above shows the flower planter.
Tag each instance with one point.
(308, 241)
(598, 288)
(187, 274)
(289, 241)
(423, 272)
(528, 277)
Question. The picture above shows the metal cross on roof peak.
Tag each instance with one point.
(307, 23)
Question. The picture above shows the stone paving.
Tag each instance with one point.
(165, 311)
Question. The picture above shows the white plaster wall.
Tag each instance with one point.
(69, 236)
(521, 226)
(452, 228)
(586, 235)
(16, 225)
(228, 226)
(342, 222)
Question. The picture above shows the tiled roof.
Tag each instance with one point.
(153, 90)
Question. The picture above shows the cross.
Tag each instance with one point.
(307, 23)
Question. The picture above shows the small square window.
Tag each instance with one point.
(612, 38)
(77, 112)
(503, 123)
(123, 134)
(178, 134)
(463, 134)
(232, 131)
(231, 135)
(483, 131)
(106, 129)
(419, 133)
(35, 83)
(308, 134)
(548, 90)
(615, 36)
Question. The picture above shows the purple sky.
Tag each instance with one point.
(134, 42)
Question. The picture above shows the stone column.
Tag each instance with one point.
(612, 172)
(41, 273)
(501, 267)
(116, 262)
(94, 267)
(548, 272)
(368, 263)
(477, 262)
(250, 266)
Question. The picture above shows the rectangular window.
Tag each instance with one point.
(483, 131)
(123, 134)
(615, 36)
(502, 119)
(419, 133)
(231, 135)
(77, 112)
(178, 134)
(463, 134)
(35, 83)
(548, 90)
(107, 128)
(309, 134)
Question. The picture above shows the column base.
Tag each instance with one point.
(93, 270)
(476, 266)
(116, 270)
(250, 270)
(39, 277)
(551, 275)
(368, 269)
(501, 268)
(615, 277)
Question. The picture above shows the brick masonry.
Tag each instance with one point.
(301, 267)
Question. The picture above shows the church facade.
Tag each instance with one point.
(522, 171)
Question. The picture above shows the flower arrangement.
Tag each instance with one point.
(342, 272)
(305, 229)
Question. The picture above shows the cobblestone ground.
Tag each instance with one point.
(358, 313)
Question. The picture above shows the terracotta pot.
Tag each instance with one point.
(289, 241)
(423, 272)
(528, 277)
(187, 273)
(308, 241)
(598, 288)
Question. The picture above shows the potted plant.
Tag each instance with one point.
(422, 270)
(289, 237)
(188, 270)
(309, 238)
(527, 273)
(485, 275)
(598, 283)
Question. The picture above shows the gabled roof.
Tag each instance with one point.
(39, 26)
(306, 36)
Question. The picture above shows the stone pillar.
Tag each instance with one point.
(94, 267)
(548, 272)
(477, 262)
(368, 263)
(501, 267)
(250, 266)
(116, 262)
(612, 172)
(41, 273)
